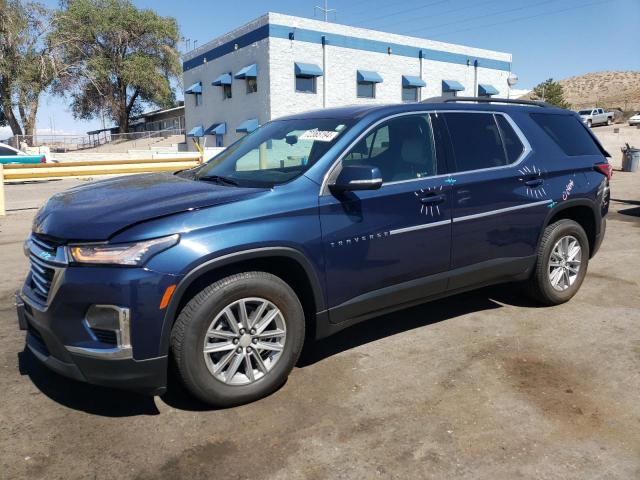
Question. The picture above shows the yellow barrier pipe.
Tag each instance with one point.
(20, 166)
(69, 171)
(2, 207)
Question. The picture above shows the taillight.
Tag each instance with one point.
(604, 168)
(43, 159)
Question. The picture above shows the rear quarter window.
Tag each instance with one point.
(568, 133)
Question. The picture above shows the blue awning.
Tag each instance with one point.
(410, 81)
(196, 132)
(224, 79)
(452, 86)
(216, 129)
(195, 88)
(369, 76)
(486, 89)
(248, 72)
(307, 70)
(248, 126)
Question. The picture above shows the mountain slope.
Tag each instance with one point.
(604, 89)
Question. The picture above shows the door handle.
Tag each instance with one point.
(432, 199)
(536, 182)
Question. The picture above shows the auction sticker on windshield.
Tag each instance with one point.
(319, 135)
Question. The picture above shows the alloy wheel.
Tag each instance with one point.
(244, 341)
(564, 263)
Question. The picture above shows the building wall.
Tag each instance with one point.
(242, 106)
(276, 55)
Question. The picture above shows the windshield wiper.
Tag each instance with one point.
(219, 179)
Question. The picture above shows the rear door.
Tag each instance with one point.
(499, 197)
(386, 247)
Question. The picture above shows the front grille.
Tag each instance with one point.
(42, 272)
(105, 336)
(41, 278)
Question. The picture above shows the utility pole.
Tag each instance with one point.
(325, 10)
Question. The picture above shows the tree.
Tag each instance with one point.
(118, 58)
(551, 92)
(27, 63)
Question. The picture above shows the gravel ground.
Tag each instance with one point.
(484, 385)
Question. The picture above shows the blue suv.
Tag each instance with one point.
(308, 225)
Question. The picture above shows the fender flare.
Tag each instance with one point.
(230, 259)
(564, 205)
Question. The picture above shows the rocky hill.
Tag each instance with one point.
(604, 89)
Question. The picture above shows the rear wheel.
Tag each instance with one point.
(238, 339)
(561, 265)
(609, 121)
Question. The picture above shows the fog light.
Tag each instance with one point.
(110, 324)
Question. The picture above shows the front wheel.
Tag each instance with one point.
(561, 264)
(589, 123)
(238, 339)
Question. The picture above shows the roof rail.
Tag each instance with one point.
(486, 100)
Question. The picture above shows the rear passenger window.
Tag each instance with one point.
(512, 144)
(567, 131)
(476, 141)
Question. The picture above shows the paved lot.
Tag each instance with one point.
(481, 386)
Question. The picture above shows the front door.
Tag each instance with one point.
(380, 245)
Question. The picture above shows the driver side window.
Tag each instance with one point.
(402, 148)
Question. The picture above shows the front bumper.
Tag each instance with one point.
(96, 366)
(59, 336)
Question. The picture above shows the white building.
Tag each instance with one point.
(278, 65)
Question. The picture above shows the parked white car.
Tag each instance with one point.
(596, 116)
(635, 120)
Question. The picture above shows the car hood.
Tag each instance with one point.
(98, 210)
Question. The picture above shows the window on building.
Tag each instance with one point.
(567, 131)
(198, 99)
(409, 94)
(252, 84)
(366, 90)
(476, 141)
(305, 84)
(449, 94)
(402, 148)
(226, 91)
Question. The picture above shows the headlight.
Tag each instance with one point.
(135, 254)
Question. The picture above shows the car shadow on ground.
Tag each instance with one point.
(630, 212)
(380, 327)
(415, 317)
(80, 396)
(116, 403)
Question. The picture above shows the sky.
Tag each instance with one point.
(547, 38)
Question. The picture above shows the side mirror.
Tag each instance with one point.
(357, 177)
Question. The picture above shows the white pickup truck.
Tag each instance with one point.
(596, 116)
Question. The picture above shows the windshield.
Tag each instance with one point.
(275, 153)
(584, 112)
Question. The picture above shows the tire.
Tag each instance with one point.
(540, 286)
(609, 121)
(589, 123)
(194, 327)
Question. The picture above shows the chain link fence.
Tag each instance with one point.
(100, 142)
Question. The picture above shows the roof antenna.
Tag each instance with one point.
(325, 10)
